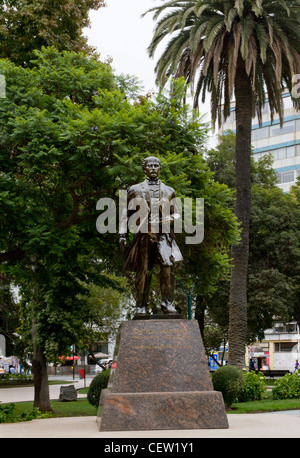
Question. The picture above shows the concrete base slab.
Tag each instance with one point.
(163, 411)
(277, 425)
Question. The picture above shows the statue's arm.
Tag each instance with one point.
(173, 213)
(123, 228)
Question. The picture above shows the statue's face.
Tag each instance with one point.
(152, 169)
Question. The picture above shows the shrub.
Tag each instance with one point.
(287, 387)
(8, 414)
(254, 387)
(16, 379)
(230, 381)
(98, 383)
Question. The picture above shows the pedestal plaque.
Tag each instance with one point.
(161, 380)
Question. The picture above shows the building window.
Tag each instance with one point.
(291, 327)
(287, 128)
(265, 109)
(257, 156)
(286, 177)
(284, 346)
(231, 117)
(290, 151)
(283, 153)
(297, 125)
(288, 103)
(260, 134)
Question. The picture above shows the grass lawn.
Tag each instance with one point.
(17, 384)
(82, 407)
(265, 405)
(78, 408)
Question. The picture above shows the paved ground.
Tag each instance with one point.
(27, 393)
(270, 425)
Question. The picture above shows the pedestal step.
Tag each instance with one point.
(163, 411)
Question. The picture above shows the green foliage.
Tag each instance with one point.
(16, 379)
(221, 161)
(254, 388)
(26, 25)
(69, 136)
(98, 384)
(230, 381)
(273, 273)
(8, 414)
(209, 42)
(106, 306)
(9, 316)
(226, 48)
(287, 387)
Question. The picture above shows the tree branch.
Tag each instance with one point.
(14, 255)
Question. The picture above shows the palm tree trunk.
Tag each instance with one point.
(240, 253)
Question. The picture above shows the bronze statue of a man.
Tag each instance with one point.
(150, 247)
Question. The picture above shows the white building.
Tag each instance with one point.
(283, 143)
(279, 349)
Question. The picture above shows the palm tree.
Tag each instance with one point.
(247, 49)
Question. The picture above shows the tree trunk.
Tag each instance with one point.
(41, 387)
(240, 253)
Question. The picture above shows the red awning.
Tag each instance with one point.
(69, 358)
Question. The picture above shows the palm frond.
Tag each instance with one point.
(209, 39)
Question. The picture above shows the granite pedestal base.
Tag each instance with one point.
(161, 380)
(163, 411)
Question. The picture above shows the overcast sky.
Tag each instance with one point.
(118, 31)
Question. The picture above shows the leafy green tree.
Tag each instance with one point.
(221, 161)
(273, 273)
(215, 337)
(29, 25)
(249, 49)
(107, 305)
(70, 136)
(9, 316)
(26, 25)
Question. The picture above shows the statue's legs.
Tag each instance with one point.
(142, 277)
(142, 281)
(167, 285)
(148, 258)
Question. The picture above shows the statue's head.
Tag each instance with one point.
(152, 167)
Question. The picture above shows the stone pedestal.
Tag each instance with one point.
(161, 380)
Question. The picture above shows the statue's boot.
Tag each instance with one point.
(168, 307)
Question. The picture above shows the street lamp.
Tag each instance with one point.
(188, 292)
